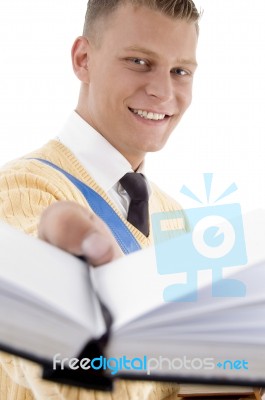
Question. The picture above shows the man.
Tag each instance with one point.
(136, 61)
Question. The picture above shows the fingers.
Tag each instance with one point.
(74, 229)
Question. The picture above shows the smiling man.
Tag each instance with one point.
(137, 78)
(135, 61)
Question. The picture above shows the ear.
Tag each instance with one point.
(80, 58)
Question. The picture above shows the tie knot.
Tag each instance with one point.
(135, 185)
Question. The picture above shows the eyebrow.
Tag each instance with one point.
(151, 53)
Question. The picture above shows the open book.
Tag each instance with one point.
(89, 325)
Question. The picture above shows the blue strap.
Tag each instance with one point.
(120, 231)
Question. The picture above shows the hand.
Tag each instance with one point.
(76, 230)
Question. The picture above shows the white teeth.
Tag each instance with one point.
(149, 115)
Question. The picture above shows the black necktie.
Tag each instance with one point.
(135, 185)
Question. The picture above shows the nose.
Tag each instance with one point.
(160, 85)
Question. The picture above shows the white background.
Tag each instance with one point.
(223, 131)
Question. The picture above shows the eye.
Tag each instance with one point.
(138, 64)
(138, 61)
(180, 72)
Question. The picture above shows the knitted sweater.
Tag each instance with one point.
(27, 188)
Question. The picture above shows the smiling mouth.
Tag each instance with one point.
(149, 115)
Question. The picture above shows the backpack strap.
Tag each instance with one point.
(120, 231)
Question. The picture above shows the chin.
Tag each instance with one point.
(151, 144)
(153, 147)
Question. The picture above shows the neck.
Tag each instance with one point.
(134, 159)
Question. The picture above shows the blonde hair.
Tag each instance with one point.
(179, 9)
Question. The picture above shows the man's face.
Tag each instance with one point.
(140, 79)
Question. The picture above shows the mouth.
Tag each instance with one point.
(149, 115)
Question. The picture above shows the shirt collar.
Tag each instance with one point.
(104, 163)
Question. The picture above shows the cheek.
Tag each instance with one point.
(185, 99)
(99, 94)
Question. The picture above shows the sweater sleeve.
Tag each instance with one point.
(28, 187)
(22, 201)
(23, 198)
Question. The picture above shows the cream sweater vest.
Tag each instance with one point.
(27, 187)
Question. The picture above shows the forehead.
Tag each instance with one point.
(140, 27)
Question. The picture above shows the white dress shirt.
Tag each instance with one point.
(103, 162)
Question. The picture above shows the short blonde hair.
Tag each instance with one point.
(179, 9)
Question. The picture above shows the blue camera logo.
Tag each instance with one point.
(215, 240)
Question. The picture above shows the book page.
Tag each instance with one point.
(46, 276)
(132, 286)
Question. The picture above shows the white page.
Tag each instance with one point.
(132, 285)
(43, 334)
(49, 275)
(124, 287)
